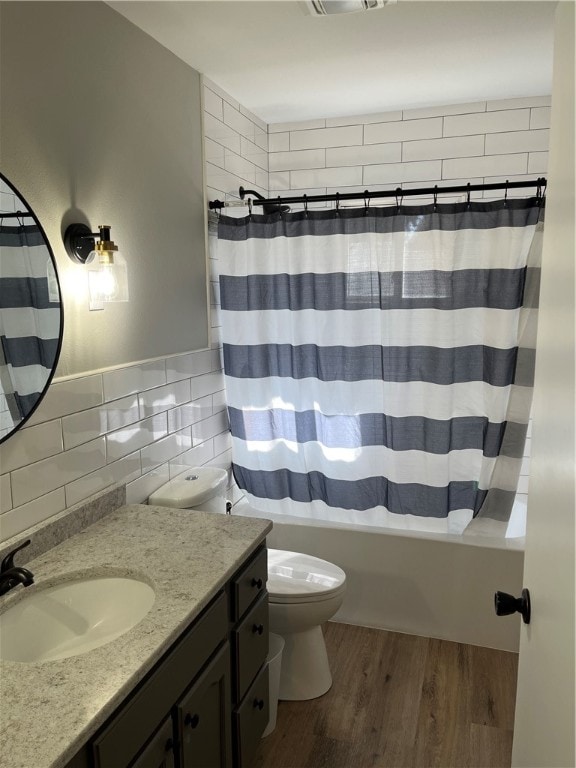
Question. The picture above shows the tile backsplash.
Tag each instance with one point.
(139, 423)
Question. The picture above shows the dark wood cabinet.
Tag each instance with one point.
(203, 717)
(205, 703)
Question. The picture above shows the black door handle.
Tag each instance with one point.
(506, 604)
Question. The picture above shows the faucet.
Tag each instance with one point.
(11, 575)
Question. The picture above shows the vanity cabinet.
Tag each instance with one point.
(205, 703)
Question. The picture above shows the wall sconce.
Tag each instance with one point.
(108, 274)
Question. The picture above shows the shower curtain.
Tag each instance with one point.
(29, 317)
(381, 359)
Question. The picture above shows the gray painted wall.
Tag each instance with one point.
(99, 123)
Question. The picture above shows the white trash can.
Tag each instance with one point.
(274, 662)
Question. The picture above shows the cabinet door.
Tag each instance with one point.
(159, 753)
(204, 717)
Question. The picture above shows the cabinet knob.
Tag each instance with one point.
(192, 720)
(258, 629)
(257, 583)
(258, 703)
(506, 604)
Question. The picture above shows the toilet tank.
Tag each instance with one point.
(194, 488)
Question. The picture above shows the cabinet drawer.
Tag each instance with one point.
(131, 726)
(250, 646)
(249, 584)
(250, 720)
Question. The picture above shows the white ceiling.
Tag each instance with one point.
(285, 65)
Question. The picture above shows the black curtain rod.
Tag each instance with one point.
(18, 215)
(273, 203)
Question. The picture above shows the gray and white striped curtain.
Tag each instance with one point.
(29, 316)
(374, 360)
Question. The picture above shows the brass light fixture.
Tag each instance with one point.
(107, 273)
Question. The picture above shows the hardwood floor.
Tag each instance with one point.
(400, 701)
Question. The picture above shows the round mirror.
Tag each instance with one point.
(31, 316)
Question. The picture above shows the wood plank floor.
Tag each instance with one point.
(400, 701)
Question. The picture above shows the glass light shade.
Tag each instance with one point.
(107, 278)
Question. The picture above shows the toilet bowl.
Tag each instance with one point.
(303, 591)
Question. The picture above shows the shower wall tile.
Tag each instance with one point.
(365, 155)
(489, 165)
(530, 101)
(279, 142)
(326, 137)
(540, 117)
(256, 154)
(301, 126)
(324, 177)
(406, 130)
(452, 109)
(488, 122)
(238, 122)
(221, 133)
(214, 152)
(300, 159)
(537, 162)
(517, 141)
(213, 103)
(381, 117)
(440, 149)
(398, 173)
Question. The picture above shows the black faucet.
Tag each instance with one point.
(11, 575)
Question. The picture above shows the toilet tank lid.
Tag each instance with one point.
(191, 488)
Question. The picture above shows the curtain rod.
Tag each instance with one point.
(274, 203)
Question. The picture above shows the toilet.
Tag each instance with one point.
(303, 591)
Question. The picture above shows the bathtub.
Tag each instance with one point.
(421, 583)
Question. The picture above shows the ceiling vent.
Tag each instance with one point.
(333, 7)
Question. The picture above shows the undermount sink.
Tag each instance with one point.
(72, 617)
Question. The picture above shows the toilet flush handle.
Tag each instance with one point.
(257, 583)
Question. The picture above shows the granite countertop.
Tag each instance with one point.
(48, 710)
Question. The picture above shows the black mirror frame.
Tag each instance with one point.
(30, 213)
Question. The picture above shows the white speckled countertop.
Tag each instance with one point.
(48, 710)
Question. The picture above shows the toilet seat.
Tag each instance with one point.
(294, 577)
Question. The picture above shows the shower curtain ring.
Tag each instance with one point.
(506, 193)
(468, 195)
(366, 201)
(399, 198)
(435, 196)
(337, 202)
(249, 206)
(305, 205)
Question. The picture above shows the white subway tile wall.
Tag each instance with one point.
(451, 144)
(141, 424)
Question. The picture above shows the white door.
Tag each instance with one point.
(545, 711)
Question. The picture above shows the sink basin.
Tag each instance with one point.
(72, 617)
